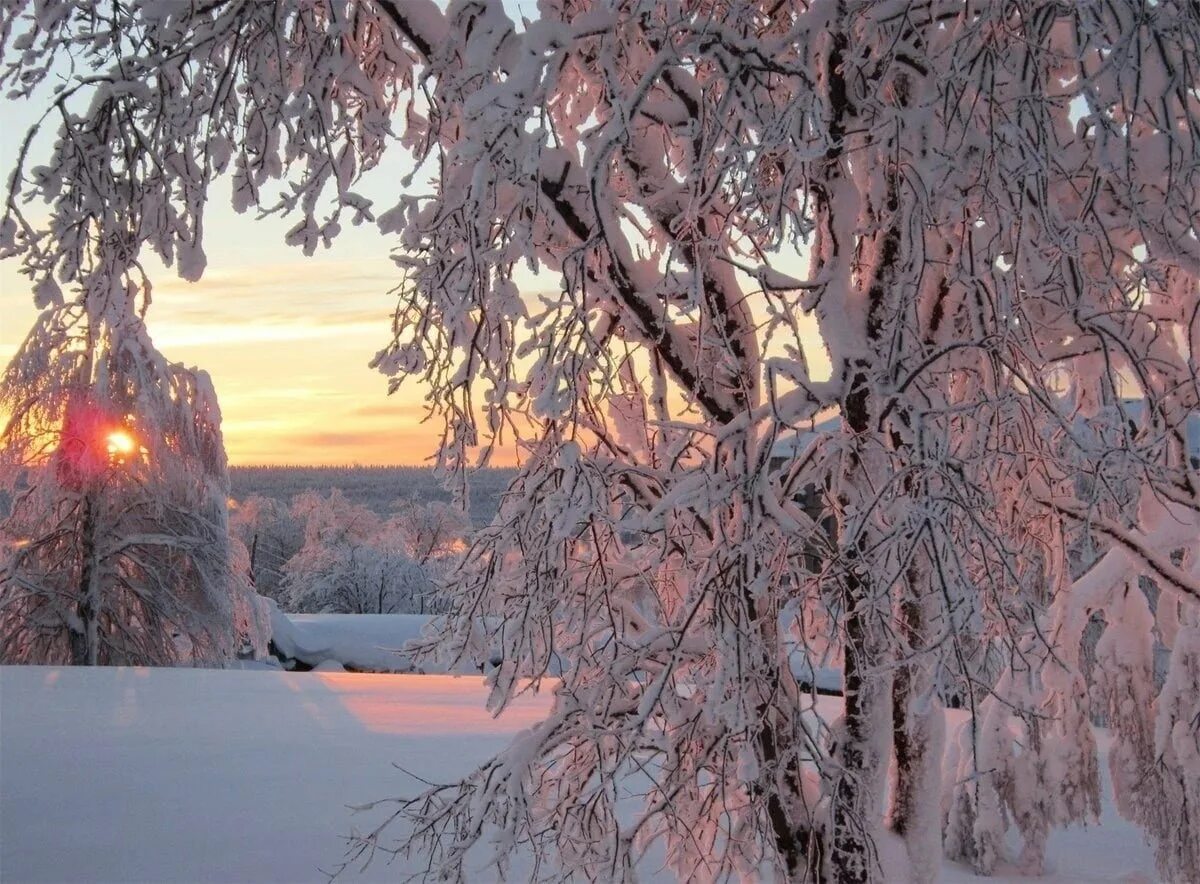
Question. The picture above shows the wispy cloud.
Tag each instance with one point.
(338, 440)
(393, 408)
(167, 336)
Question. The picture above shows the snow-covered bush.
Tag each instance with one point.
(352, 562)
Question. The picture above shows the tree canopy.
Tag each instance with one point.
(989, 210)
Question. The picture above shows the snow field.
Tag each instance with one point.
(178, 775)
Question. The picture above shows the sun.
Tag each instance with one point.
(120, 443)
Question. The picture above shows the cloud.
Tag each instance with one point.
(337, 440)
(232, 274)
(391, 409)
(167, 336)
(409, 446)
(296, 294)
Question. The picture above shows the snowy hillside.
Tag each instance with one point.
(204, 775)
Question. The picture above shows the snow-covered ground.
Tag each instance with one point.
(201, 775)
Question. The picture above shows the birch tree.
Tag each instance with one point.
(989, 212)
(117, 546)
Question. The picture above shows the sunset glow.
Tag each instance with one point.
(432, 703)
(120, 444)
(290, 365)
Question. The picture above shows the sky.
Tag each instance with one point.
(286, 338)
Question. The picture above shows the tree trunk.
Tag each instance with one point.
(253, 558)
(776, 696)
(917, 736)
(85, 649)
(862, 745)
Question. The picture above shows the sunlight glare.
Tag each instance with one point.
(120, 443)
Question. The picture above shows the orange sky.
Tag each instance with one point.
(286, 339)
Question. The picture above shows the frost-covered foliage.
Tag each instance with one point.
(428, 532)
(333, 519)
(369, 578)
(271, 536)
(328, 554)
(116, 550)
(354, 562)
(996, 204)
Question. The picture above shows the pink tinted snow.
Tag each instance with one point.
(177, 775)
(169, 775)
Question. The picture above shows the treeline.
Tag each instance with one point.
(375, 487)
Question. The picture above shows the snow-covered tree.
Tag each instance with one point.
(429, 531)
(353, 562)
(118, 547)
(333, 519)
(117, 543)
(271, 535)
(367, 578)
(988, 213)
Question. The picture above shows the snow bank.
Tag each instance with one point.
(357, 642)
(362, 642)
(199, 775)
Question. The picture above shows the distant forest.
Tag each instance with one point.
(375, 487)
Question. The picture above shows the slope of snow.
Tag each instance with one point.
(203, 775)
(177, 775)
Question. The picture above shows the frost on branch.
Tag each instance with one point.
(996, 206)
